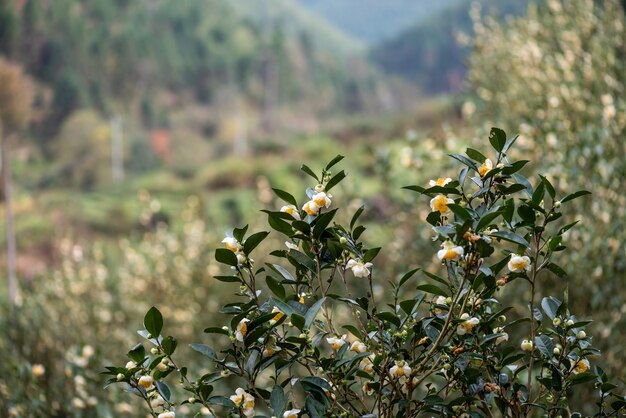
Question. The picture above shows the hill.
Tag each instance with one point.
(373, 21)
(428, 53)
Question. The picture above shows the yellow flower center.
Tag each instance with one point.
(518, 264)
(243, 328)
(450, 254)
(278, 316)
(482, 170)
(441, 204)
(440, 181)
(230, 247)
(581, 366)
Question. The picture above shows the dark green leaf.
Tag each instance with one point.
(169, 345)
(226, 256)
(335, 180)
(286, 197)
(431, 288)
(333, 162)
(275, 286)
(464, 160)
(205, 350)
(322, 222)
(312, 313)
(310, 172)
(278, 401)
(153, 322)
(216, 330)
(137, 353)
(221, 400)
(460, 211)
(511, 237)
(575, 195)
(253, 241)
(486, 219)
(475, 155)
(497, 139)
(556, 269)
(370, 254)
(389, 317)
(356, 215)
(545, 345)
(163, 390)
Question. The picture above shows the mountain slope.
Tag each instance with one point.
(372, 21)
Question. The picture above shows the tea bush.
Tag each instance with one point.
(301, 341)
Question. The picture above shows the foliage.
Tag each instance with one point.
(557, 76)
(441, 346)
(16, 95)
(73, 318)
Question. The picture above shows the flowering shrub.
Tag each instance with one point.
(557, 76)
(438, 342)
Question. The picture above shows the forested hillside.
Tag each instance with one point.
(429, 53)
(373, 21)
(144, 59)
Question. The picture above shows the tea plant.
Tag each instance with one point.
(440, 344)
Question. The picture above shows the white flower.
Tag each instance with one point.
(359, 269)
(439, 182)
(242, 329)
(232, 244)
(449, 251)
(367, 364)
(485, 167)
(279, 315)
(78, 403)
(581, 366)
(335, 342)
(270, 350)
(399, 369)
(292, 210)
(518, 263)
(131, 365)
(243, 399)
(311, 208)
(241, 258)
(146, 382)
(368, 389)
(502, 338)
(292, 413)
(322, 199)
(467, 325)
(168, 414)
(440, 204)
(291, 245)
(157, 402)
(358, 347)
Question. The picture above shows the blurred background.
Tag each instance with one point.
(136, 132)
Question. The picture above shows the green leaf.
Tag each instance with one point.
(239, 233)
(216, 330)
(486, 219)
(227, 279)
(464, 160)
(253, 241)
(310, 172)
(322, 222)
(354, 330)
(334, 161)
(575, 195)
(556, 269)
(221, 400)
(286, 197)
(153, 322)
(275, 286)
(284, 307)
(370, 254)
(226, 256)
(545, 345)
(137, 353)
(514, 167)
(163, 390)
(283, 272)
(169, 345)
(550, 306)
(538, 194)
(549, 186)
(497, 139)
(407, 276)
(511, 237)
(356, 215)
(577, 379)
(475, 155)
(431, 288)
(312, 313)
(460, 211)
(278, 400)
(389, 317)
(526, 213)
(205, 350)
(335, 180)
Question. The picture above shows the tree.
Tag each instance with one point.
(16, 94)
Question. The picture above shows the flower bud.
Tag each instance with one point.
(343, 240)
(162, 366)
(557, 204)
(569, 323)
(242, 289)
(225, 328)
(154, 350)
(319, 188)
(191, 400)
(225, 373)
(119, 377)
(527, 345)
(556, 351)
(502, 318)
(581, 335)
(556, 321)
